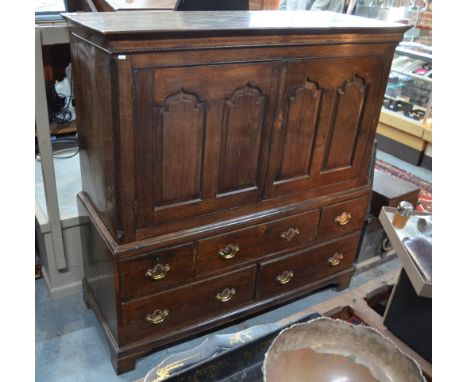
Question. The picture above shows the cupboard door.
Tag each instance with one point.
(201, 136)
(326, 124)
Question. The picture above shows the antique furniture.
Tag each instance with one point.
(388, 190)
(224, 161)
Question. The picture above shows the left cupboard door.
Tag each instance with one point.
(201, 138)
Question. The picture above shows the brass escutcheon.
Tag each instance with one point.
(225, 295)
(229, 251)
(290, 233)
(285, 277)
(343, 218)
(158, 272)
(157, 316)
(335, 259)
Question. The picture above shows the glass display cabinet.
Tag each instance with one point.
(409, 88)
(405, 124)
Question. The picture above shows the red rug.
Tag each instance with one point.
(425, 195)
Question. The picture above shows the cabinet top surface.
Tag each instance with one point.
(244, 22)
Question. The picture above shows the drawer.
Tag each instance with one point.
(304, 267)
(343, 218)
(156, 270)
(167, 312)
(249, 244)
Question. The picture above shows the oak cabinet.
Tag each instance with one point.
(224, 160)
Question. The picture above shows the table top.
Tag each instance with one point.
(422, 285)
(248, 22)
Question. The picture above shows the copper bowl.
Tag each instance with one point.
(327, 350)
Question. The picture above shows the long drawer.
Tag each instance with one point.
(156, 270)
(250, 244)
(166, 312)
(306, 266)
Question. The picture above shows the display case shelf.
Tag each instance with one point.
(405, 124)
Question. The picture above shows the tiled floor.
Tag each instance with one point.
(70, 344)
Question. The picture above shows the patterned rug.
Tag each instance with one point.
(425, 195)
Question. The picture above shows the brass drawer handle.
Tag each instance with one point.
(290, 233)
(229, 251)
(285, 277)
(343, 218)
(158, 272)
(157, 316)
(225, 295)
(335, 259)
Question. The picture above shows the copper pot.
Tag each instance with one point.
(327, 350)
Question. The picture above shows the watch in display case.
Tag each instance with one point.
(409, 88)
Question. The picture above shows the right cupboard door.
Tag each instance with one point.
(325, 125)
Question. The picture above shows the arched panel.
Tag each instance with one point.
(180, 126)
(243, 118)
(202, 137)
(324, 125)
(298, 131)
(346, 117)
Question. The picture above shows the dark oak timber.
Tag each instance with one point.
(225, 160)
(156, 23)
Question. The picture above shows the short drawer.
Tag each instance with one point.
(154, 271)
(167, 312)
(342, 218)
(249, 244)
(304, 267)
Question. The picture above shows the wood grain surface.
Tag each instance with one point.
(216, 21)
(217, 151)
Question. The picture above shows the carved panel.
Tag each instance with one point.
(180, 128)
(346, 121)
(298, 131)
(243, 116)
